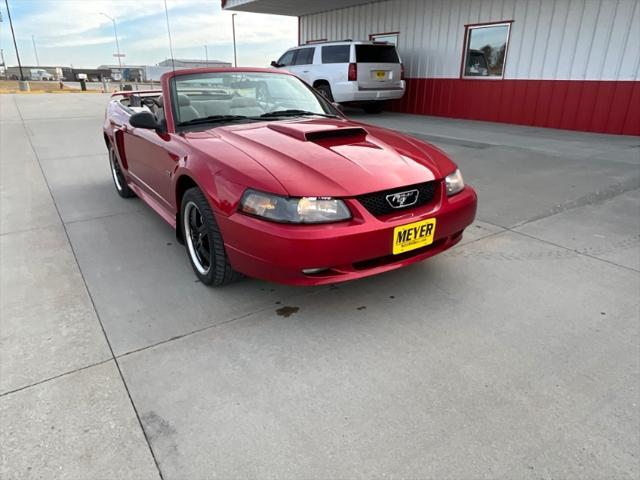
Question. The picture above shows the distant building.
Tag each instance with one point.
(128, 73)
(33, 72)
(186, 63)
(148, 73)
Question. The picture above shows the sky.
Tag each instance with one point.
(73, 32)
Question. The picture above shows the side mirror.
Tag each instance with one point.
(144, 120)
(275, 64)
(338, 107)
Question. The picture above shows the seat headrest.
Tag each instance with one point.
(183, 101)
(243, 102)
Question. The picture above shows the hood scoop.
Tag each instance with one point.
(311, 132)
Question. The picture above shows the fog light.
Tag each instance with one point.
(311, 271)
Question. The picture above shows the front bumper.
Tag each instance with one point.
(358, 248)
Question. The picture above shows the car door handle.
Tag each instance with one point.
(305, 71)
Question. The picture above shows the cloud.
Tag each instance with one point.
(194, 29)
(73, 31)
(77, 41)
(59, 18)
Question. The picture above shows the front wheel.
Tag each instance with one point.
(118, 177)
(203, 241)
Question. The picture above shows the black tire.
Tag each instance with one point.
(118, 177)
(374, 107)
(202, 238)
(325, 90)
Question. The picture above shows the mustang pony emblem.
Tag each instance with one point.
(403, 199)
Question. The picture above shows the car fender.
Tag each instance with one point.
(223, 194)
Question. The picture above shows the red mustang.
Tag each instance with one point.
(260, 175)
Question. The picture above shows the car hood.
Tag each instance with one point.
(331, 157)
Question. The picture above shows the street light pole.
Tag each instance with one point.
(115, 32)
(33, 39)
(233, 29)
(206, 55)
(23, 85)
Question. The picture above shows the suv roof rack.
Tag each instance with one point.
(316, 42)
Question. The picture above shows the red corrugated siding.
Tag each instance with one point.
(591, 106)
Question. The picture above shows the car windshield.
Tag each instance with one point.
(223, 97)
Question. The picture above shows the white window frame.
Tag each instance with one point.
(467, 41)
(380, 37)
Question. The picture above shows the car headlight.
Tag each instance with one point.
(454, 182)
(294, 210)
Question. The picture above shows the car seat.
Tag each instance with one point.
(186, 110)
(245, 106)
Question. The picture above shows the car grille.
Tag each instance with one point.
(376, 203)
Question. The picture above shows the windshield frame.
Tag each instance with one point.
(326, 105)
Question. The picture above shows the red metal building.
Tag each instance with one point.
(571, 64)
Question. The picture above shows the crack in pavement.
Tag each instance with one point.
(95, 310)
(222, 323)
(593, 198)
(55, 377)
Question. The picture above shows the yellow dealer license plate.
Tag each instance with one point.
(413, 235)
(380, 74)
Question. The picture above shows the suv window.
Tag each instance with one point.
(287, 58)
(305, 56)
(376, 54)
(336, 54)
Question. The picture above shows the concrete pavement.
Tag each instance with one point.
(514, 355)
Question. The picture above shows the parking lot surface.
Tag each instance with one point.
(513, 355)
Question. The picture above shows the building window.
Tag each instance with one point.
(485, 50)
(385, 37)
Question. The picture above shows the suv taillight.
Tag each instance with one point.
(353, 72)
(401, 71)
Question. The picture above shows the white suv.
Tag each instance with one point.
(348, 72)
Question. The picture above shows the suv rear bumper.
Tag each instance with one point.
(350, 92)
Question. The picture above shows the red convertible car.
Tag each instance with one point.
(261, 175)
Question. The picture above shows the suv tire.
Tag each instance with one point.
(325, 90)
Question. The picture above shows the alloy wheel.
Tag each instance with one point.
(197, 237)
(116, 172)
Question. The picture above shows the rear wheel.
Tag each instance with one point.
(374, 107)
(118, 177)
(203, 241)
(325, 90)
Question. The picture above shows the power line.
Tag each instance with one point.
(35, 49)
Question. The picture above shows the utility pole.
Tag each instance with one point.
(115, 32)
(33, 39)
(166, 15)
(4, 67)
(233, 29)
(23, 85)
